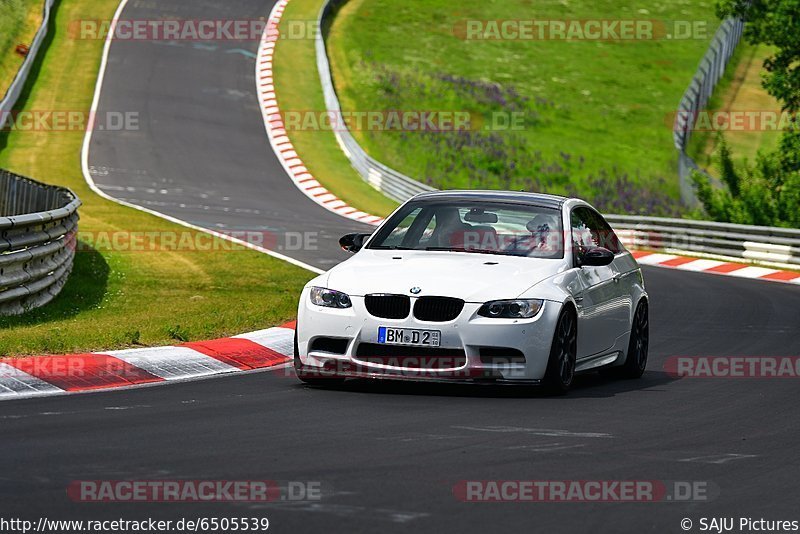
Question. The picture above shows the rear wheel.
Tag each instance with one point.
(563, 353)
(636, 360)
(312, 376)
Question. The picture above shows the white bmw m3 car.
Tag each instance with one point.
(478, 286)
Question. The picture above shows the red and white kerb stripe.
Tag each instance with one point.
(41, 375)
(276, 132)
(740, 270)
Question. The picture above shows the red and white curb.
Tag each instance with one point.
(699, 265)
(276, 132)
(53, 375)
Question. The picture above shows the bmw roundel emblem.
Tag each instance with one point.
(415, 290)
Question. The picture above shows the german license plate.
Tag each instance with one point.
(409, 336)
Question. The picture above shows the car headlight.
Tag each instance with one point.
(511, 309)
(330, 298)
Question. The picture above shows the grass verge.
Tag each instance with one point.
(19, 21)
(116, 298)
(298, 88)
(739, 90)
(596, 115)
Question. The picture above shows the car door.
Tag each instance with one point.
(595, 289)
(626, 274)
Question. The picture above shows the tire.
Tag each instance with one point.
(312, 377)
(636, 358)
(563, 354)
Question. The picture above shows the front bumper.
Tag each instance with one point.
(463, 341)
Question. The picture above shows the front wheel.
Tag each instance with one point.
(563, 354)
(636, 360)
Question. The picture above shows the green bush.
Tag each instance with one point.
(764, 193)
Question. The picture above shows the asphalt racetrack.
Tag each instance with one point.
(200, 152)
(387, 456)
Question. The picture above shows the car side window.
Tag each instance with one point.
(583, 237)
(589, 229)
(605, 236)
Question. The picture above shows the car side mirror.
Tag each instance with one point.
(353, 242)
(596, 257)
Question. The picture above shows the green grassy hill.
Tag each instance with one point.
(595, 114)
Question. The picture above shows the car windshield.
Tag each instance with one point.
(474, 227)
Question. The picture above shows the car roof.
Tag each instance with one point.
(516, 197)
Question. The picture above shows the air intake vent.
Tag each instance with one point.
(388, 306)
(437, 309)
(329, 344)
(428, 358)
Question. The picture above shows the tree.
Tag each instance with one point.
(775, 23)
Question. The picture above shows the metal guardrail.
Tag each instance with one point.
(15, 89)
(696, 97)
(775, 246)
(390, 182)
(38, 222)
(38, 227)
(761, 244)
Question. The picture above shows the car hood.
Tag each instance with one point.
(469, 276)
